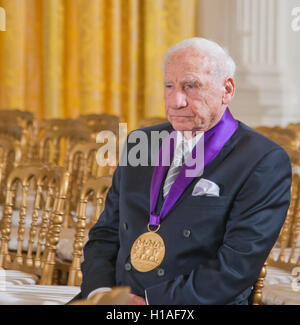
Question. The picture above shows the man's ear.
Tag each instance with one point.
(229, 89)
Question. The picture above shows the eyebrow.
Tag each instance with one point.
(191, 80)
(188, 80)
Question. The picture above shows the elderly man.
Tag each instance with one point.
(200, 239)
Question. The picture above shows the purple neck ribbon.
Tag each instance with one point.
(214, 140)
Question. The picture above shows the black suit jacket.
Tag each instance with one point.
(215, 246)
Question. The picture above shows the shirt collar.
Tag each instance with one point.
(190, 142)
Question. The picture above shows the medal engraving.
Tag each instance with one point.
(147, 252)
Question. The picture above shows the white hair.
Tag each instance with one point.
(225, 65)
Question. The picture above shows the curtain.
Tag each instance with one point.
(62, 58)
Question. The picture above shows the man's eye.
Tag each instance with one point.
(168, 86)
(189, 86)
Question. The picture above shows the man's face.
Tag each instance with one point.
(195, 97)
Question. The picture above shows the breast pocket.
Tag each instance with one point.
(209, 201)
(200, 223)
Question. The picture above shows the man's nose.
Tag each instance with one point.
(179, 100)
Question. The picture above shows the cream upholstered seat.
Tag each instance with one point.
(280, 294)
(64, 251)
(37, 294)
(15, 217)
(15, 277)
(277, 276)
(281, 283)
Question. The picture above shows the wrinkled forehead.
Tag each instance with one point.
(189, 60)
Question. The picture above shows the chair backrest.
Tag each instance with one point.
(38, 227)
(98, 187)
(26, 116)
(100, 122)
(18, 124)
(83, 157)
(55, 145)
(10, 157)
(44, 129)
(295, 127)
(83, 164)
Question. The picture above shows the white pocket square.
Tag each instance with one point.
(206, 187)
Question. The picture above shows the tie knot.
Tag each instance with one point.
(182, 150)
(180, 154)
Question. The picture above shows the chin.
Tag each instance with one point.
(181, 126)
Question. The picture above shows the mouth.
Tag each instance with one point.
(181, 116)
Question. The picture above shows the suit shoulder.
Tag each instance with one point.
(157, 127)
(259, 141)
(254, 146)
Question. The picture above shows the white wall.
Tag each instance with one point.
(259, 36)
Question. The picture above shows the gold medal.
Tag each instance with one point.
(148, 251)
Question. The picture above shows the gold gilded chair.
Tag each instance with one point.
(274, 283)
(82, 164)
(83, 158)
(100, 122)
(25, 116)
(18, 124)
(258, 287)
(295, 127)
(37, 233)
(55, 144)
(284, 258)
(286, 253)
(94, 191)
(50, 126)
(10, 157)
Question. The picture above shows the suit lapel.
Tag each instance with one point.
(227, 148)
(213, 165)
